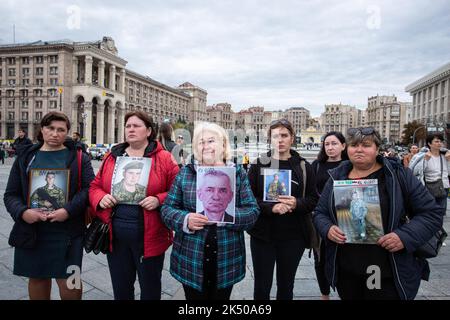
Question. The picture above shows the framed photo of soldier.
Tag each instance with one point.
(216, 190)
(276, 183)
(130, 179)
(49, 188)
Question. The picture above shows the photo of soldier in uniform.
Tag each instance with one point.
(276, 183)
(358, 210)
(130, 179)
(48, 188)
(216, 193)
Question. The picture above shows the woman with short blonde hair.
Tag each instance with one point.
(219, 132)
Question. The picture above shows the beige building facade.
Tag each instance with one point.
(430, 97)
(299, 117)
(339, 117)
(388, 116)
(221, 114)
(89, 82)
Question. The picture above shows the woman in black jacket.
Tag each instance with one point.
(280, 235)
(332, 153)
(47, 234)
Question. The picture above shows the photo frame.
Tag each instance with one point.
(48, 188)
(276, 182)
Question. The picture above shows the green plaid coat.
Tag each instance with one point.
(186, 261)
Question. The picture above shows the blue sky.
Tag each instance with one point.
(276, 54)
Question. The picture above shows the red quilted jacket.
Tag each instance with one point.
(157, 237)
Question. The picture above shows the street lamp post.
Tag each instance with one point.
(414, 134)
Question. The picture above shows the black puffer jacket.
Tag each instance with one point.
(17, 189)
(263, 228)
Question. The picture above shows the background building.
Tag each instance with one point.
(431, 97)
(388, 116)
(87, 81)
(222, 114)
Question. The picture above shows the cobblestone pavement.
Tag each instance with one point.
(97, 282)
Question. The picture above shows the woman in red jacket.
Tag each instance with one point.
(139, 238)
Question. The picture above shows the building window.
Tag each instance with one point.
(53, 70)
(24, 93)
(52, 104)
(54, 81)
(39, 82)
(12, 82)
(11, 60)
(10, 93)
(25, 116)
(11, 104)
(10, 115)
(25, 82)
(39, 59)
(38, 104)
(25, 60)
(38, 115)
(39, 71)
(25, 72)
(38, 93)
(12, 72)
(52, 92)
(53, 59)
(25, 103)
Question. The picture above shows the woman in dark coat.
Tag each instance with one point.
(48, 244)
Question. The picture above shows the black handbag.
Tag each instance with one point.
(436, 188)
(429, 249)
(96, 237)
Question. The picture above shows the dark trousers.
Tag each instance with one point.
(208, 293)
(286, 254)
(352, 286)
(319, 266)
(125, 261)
(443, 202)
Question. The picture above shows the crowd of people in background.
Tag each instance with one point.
(209, 257)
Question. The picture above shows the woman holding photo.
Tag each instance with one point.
(347, 264)
(208, 258)
(280, 235)
(48, 242)
(139, 239)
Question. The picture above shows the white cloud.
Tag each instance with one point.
(272, 53)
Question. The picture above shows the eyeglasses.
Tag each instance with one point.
(284, 122)
(180, 137)
(364, 131)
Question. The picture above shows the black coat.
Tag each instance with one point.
(17, 189)
(21, 144)
(262, 228)
(408, 270)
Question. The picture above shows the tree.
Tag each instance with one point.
(408, 133)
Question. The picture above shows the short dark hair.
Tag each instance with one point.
(147, 121)
(53, 116)
(322, 156)
(281, 123)
(433, 135)
(77, 134)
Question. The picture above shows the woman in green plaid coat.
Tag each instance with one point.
(208, 258)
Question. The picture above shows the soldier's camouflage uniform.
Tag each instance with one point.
(124, 196)
(56, 193)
